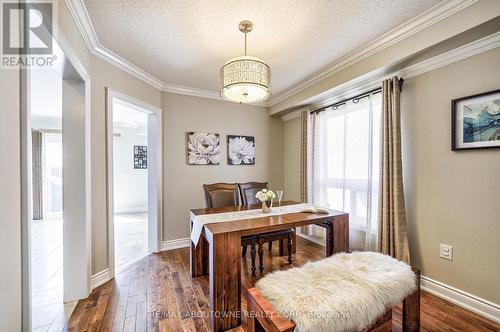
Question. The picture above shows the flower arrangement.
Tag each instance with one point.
(265, 195)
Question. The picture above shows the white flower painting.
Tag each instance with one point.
(203, 149)
(240, 150)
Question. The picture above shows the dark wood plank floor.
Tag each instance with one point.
(157, 294)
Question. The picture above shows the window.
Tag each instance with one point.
(53, 175)
(346, 156)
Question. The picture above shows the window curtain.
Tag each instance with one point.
(37, 173)
(392, 234)
(346, 150)
(306, 129)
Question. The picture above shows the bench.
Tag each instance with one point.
(262, 316)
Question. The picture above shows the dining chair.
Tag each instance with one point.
(227, 194)
(248, 191)
(221, 194)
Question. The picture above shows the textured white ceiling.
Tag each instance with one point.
(186, 42)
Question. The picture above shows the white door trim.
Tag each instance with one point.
(155, 182)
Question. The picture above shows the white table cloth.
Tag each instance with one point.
(202, 220)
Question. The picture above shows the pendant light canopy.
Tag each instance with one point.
(245, 79)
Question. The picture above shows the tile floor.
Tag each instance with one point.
(131, 237)
(49, 313)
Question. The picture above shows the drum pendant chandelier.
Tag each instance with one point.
(245, 79)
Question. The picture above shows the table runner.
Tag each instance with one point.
(202, 220)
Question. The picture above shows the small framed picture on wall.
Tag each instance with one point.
(475, 121)
(140, 157)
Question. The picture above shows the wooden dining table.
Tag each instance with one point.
(218, 253)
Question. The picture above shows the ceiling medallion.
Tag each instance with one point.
(245, 79)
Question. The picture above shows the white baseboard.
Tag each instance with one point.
(463, 299)
(175, 244)
(100, 278)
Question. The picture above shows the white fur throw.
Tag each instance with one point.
(344, 292)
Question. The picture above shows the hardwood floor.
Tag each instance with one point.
(158, 294)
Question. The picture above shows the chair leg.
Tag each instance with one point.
(261, 257)
(244, 251)
(270, 245)
(252, 253)
(290, 245)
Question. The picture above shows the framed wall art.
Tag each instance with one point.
(475, 121)
(140, 157)
(203, 149)
(240, 150)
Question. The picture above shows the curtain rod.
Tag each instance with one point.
(356, 98)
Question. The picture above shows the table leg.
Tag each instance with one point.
(225, 281)
(341, 233)
(199, 258)
(337, 235)
(283, 249)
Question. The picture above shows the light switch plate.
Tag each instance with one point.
(446, 251)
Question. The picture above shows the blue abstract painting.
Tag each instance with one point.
(481, 121)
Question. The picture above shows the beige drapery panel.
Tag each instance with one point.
(304, 119)
(392, 239)
(37, 174)
(306, 127)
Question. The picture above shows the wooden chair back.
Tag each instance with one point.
(221, 194)
(248, 191)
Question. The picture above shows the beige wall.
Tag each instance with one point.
(452, 197)
(105, 75)
(291, 155)
(183, 183)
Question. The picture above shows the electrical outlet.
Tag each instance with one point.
(446, 251)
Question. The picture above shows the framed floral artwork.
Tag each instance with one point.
(203, 149)
(475, 122)
(240, 150)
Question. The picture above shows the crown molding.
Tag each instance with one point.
(462, 52)
(363, 83)
(80, 15)
(186, 90)
(431, 16)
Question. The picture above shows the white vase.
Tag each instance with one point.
(266, 206)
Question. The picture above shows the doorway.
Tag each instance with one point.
(134, 179)
(55, 150)
(47, 286)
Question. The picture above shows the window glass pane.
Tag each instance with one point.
(347, 200)
(350, 167)
(356, 144)
(335, 198)
(335, 146)
(53, 177)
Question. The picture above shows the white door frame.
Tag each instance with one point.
(80, 287)
(155, 182)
